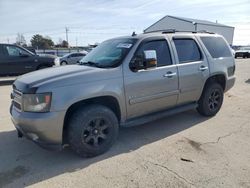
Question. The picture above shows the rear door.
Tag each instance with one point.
(192, 67)
(79, 57)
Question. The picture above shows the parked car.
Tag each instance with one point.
(72, 58)
(16, 60)
(124, 81)
(243, 52)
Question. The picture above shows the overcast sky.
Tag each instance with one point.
(91, 21)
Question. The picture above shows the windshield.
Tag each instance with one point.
(109, 53)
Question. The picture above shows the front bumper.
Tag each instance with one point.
(45, 129)
(230, 83)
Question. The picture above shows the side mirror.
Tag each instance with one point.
(150, 59)
(147, 60)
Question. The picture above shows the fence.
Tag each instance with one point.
(58, 52)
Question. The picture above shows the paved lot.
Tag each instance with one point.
(185, 150)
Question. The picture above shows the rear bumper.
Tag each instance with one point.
(230, 83)
(45, 129)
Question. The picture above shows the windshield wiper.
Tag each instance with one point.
(91, 63)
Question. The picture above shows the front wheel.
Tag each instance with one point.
(211, 100)
(92, 130)
(64, 63)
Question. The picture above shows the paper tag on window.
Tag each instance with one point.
(124, 45)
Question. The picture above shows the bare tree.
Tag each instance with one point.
(20, 40)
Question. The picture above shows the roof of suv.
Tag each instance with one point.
(172, 33)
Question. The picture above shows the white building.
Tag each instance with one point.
(188, 24)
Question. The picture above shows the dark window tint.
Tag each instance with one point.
(73, 55)
(79, 55)
(162, 51)
(187, 50)
(15, 51)
(1, 51)
(216, 46)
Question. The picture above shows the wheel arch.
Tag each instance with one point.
(108, 101)
(219, 78)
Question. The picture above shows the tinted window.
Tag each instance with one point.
(162, 51)
(73, 55)
(79, 55)
(187, 50)
(15, 51)
(216, 46)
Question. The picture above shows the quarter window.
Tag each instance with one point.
(216, 46)
(162, 51)
(187, 50)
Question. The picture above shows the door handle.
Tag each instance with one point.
(203, 68)
(169, 74)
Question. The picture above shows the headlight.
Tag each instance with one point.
(57, 61)
(36, 102)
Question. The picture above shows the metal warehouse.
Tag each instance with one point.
(189, 24)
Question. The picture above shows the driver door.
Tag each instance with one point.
(155, 89)
(17, 60)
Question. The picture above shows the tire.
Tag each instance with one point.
(92, 130)
(63, 63)
(211, 99)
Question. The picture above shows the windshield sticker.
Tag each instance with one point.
(124, 45)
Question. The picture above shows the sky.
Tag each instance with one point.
(91, 21)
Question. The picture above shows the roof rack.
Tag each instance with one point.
(175, 31)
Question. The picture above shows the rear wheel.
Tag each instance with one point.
(92, 130)
(211, 99)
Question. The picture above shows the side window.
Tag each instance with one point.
(216, 46)
(80, 55)
(187, 50)
(162, 51)
(15, 51)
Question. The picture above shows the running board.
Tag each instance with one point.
(158, 115)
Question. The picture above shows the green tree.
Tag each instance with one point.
(65, 44)
(38, 41)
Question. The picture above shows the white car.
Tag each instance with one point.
(72, 58)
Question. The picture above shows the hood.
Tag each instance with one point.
(63, 76)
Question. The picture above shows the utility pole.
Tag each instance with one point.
(67, 30)
(76, 41)
(8, 40)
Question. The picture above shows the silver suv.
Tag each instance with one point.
(124, 81)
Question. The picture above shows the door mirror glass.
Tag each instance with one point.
(150, 59)
(145, 61)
